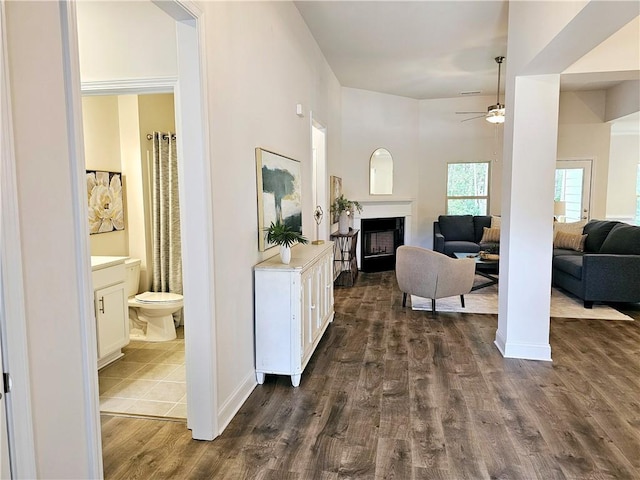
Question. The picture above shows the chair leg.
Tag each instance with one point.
(462, 300)
(404, 299)
(433, 305)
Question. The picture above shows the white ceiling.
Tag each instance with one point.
(422, 49)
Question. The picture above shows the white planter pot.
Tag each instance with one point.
(343, 223)
(285, 254)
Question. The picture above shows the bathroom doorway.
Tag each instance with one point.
(196, 217)
(150, 378)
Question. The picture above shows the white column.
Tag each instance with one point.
(527, 206)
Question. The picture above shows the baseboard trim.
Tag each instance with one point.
(231, 406)
(523, 351)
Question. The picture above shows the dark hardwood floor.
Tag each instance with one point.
(393, 393)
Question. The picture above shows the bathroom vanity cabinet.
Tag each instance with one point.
(293, 308)
(111, 308)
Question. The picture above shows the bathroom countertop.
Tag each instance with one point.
(98, 261)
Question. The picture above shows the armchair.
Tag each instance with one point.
(432, 275)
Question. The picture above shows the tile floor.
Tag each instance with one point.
(148, 380)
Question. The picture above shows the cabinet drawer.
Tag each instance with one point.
(108, 276)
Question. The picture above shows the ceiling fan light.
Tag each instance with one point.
(495, 114)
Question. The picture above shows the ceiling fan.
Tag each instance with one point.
(494, 113)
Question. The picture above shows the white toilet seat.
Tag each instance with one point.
(156, 300)
(156, 297)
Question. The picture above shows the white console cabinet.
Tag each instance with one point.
(112, 311)
(293, 308)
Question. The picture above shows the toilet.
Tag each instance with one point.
(153, 310)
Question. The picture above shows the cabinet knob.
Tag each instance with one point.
(101, 302)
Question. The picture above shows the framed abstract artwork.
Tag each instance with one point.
(279, 183)
(336, 191)
(104, 191)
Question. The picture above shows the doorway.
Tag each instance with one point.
(573, 186)
(319, 157)
(150, 378)
(195, 210)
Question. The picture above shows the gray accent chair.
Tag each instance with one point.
(433, 275)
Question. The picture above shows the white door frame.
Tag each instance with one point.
(13, 334)
(195, 211)
(320, 183)
(587, 181)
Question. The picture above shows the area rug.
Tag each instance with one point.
(485, 300)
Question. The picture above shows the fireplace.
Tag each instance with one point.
(380, 239)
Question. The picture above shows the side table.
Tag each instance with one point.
(345, 269)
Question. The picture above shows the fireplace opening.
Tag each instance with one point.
(380, 239)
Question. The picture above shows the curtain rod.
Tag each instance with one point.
(165, 136)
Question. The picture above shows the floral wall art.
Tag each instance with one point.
(104, 191)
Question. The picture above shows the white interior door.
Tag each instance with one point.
(573, 186)
(5, 468)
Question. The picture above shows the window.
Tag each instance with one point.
(468, 188)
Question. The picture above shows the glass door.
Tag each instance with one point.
(573, 186)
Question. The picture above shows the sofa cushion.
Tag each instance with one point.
(622, 239)
(565, 251)
(495, 221)
(460, 246)
(479, 223)
(569, 241)
(570, 264)
(597, 231)
(456, 227)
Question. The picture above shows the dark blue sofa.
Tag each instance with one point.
(609, 268)
(459, 233)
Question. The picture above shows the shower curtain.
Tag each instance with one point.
(167, 258)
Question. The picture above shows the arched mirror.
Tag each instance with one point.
(381, 172)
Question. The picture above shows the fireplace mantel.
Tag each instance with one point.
(385, 209)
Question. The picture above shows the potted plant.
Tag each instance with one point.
(284, 236)
(344, 208)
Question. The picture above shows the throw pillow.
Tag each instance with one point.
(570, 241)
(574, 228)
(623, 239)
(495, 221)
(490, 235)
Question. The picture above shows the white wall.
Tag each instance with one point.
(370, 121)
(623, 166)
(262, 61)
(55, 313)
(141, 42)
(445, 138)
(583, 135)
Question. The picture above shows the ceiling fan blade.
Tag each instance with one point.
(472, 118)
(465, 113)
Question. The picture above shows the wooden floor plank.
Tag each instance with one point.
(396, 393)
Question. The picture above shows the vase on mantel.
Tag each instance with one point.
(285, 254)
(343, 223)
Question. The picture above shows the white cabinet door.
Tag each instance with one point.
(307, 304)
(112, 319)
(316, 273)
